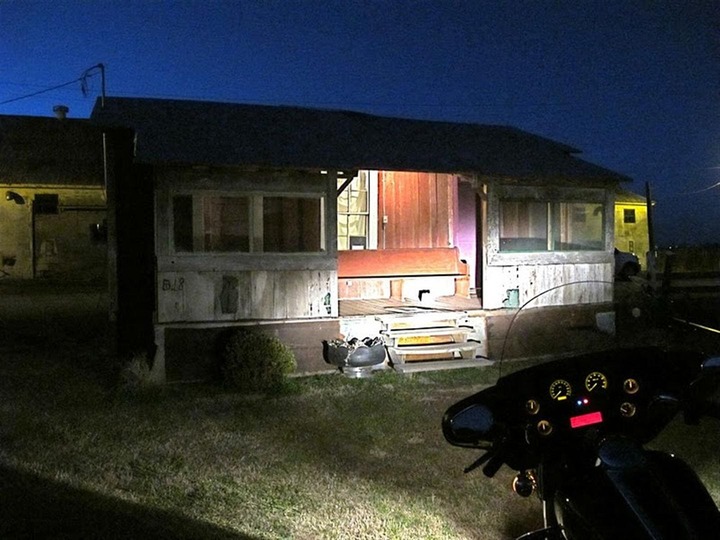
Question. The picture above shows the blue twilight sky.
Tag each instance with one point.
(634, 84)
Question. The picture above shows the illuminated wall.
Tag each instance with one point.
(52, 232)
(631, 228)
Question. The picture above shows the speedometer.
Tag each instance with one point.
(596, 381)
(560, 390)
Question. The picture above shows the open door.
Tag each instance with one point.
(469, 232)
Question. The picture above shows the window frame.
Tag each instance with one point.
(629, 216)
(255, 221)
(46, 203)
(371, 214)
(558, 220)
(496, 192)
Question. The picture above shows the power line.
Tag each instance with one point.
(715, 185)
(39, 92)
(82, 79)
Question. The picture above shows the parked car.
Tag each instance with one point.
(626, 264)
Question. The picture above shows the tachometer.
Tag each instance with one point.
(560, 390)
(596, 381)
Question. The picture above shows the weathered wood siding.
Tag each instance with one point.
(557, 284)
(233, 296)
(416, 209)
(219, 287)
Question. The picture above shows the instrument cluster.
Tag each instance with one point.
(581, 399)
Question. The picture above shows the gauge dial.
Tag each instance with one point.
(628, 410)
(532, 406)
(544, 428)
(596, 381)
(631, 386)
(560, 390)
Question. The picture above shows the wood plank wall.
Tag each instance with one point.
(416, 209)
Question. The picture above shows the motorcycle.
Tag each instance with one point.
(576, 428)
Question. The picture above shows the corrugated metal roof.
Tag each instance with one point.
(45, 150)
(198, 132)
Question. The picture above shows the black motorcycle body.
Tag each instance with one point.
(576, 428)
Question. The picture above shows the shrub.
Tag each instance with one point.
(135, 374)
(251, 360)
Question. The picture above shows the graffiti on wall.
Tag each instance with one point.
(176, 284)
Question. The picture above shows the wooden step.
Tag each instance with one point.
(422, 320)
(447, 351)
(438, 331)
(415, 367)
(425, 336)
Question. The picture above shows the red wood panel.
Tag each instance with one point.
(418, 209)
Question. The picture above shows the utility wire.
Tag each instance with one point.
(716, 184)
(82, 80)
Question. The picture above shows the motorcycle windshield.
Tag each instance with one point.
(571, 318)
(602, 364)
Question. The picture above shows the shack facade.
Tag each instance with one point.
(301, 220)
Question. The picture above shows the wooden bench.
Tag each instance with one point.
(409, 273)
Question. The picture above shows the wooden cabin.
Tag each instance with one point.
(316, 224)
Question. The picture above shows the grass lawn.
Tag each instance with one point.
(330, 458)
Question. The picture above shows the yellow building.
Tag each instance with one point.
(631, 224)
(52, 200)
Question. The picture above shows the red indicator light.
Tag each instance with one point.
(586, 419)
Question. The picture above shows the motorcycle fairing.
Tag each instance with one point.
(637, 494)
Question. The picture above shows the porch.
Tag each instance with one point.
(443, 333)
(444, 326)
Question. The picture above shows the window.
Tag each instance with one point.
(226, 224)
(528, 225)
(629, 215)
(247, 224)
(291, 225)
(354, 213)
(182, 223)
(46, 203)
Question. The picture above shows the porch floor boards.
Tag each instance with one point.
(387, 306)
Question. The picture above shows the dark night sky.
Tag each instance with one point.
(634, 84)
